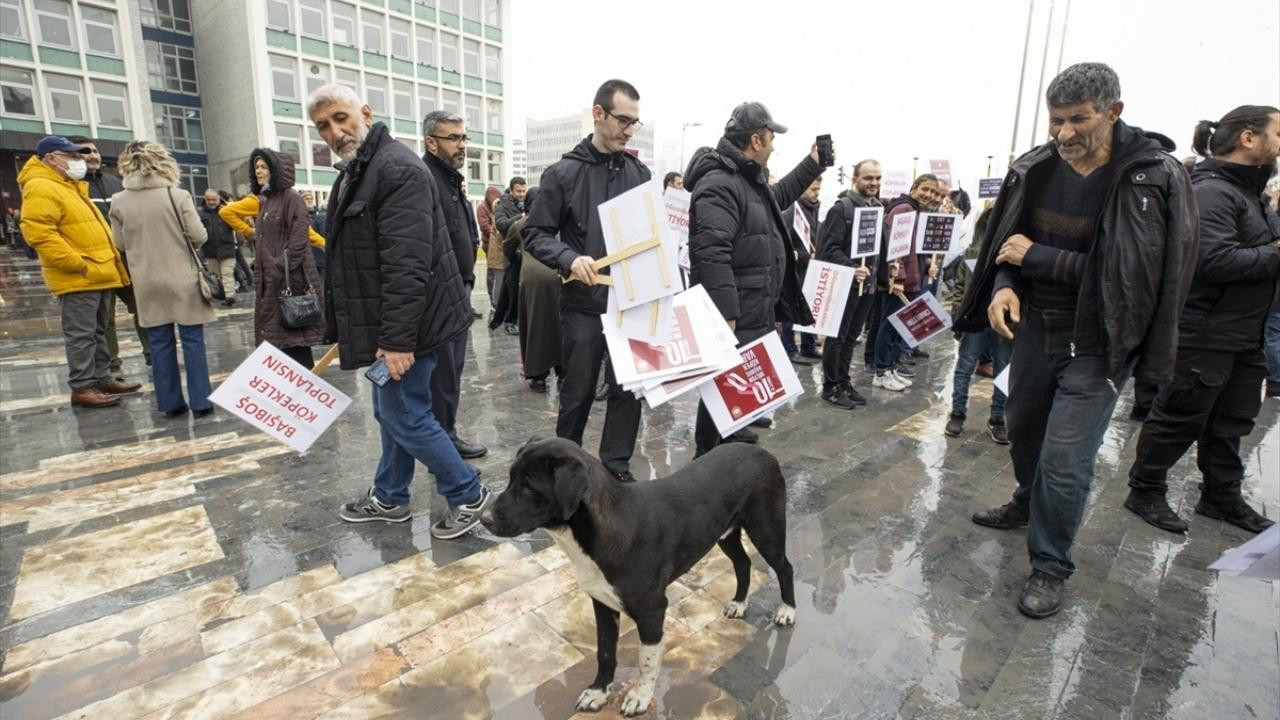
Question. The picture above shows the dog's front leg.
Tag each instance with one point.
(649, 626)
(595, 696)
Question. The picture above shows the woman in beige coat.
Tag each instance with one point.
(149, 220)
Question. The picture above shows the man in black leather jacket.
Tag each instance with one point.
(1088, 255)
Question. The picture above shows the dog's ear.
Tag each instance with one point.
(571, 485)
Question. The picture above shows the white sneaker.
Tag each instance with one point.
(903, 381)
(888, 381)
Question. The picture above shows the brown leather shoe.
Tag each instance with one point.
(93, 398)
(115, 387)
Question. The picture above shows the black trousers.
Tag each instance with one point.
(1212, 402)
(446, 383)
(582, 349)
(508, 308)
(837, 352)
(873, 328)
(705, 433)
(1144, 396)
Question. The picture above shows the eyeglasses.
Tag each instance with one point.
(455, 137)
(625, 121)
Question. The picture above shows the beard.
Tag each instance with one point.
(349, 151)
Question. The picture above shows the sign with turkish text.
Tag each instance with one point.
(920, 319)
(941, 169)
(894, 183)
(989, 188)
(936, 231)
(800, 222)
(868, 226)
(901, 235)
(760, 382)
(826, 289)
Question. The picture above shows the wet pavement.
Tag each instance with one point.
(193, 568)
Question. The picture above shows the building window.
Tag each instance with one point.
(401, 45)
(53, 18)
(471, 57)
(375, 93)
(66, 98)
(13, 25)
(493, 12)
(195, 179)
(350, 78)
(100, 32)
(449, 6)
(167, 15)
(494, 115)
(471, 10)
(492, 63)
(449, 51)
(179, 128)
(18, 92)
(426, 38)
(402, 94)
(317, 75)
(473, 117)
(321, 155)
(473, 165)
(495, 167)
(426, 99)
(284, 79)
(289, 140)
(112, 103)
(312, 14)
(343, 17)
(279, 15)
(171, 67)
(371, 22)
(451, 101)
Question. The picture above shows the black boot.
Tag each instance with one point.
(1041, 596)
(1237, 513)
(1154, 509)
(1006, 517)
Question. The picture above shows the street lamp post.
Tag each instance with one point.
(684, 127)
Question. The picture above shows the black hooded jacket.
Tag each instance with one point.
(458, 216)
(102, 185)
(1236, 276)
(1141, 261)
(571, 189)
(392, 278)
(739, 246)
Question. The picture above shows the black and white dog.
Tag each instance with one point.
(628, 542)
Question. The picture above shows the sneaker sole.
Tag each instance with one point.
(948, 433)
(995, 439)
(1037, 615)
(375, 518)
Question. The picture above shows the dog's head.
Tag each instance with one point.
(547, 483)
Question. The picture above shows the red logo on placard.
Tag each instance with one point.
(751, 385)
(681, 348)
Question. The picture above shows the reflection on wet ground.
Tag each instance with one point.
(176, 568)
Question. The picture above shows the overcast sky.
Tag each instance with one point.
(890, 79)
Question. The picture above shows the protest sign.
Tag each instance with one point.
(894, 183)
(1002, 381)
(762, 381)
(900, 235)
(800, 223)
(698, 338)
(643, 249)
(650, 322)
(677, 204)
(941, 169)
(868, 226)
(1258, 558)
(275, 394)
(826, 289)
(989, 188)
(935, 232)
(920, 319)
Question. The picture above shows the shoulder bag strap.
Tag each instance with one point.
(183, 226)
(287, 289)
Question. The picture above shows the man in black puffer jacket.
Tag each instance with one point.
(739, 246)
(394, 293)
(1216, 390)
(563, 233)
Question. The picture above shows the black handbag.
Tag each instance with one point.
(298, 311)
(209, 283)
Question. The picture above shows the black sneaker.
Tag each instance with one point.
(904, 371)
(1153, 508)
(917, 352)
(538, 385)
(458, 521)
(813, 354)
(854, 396)
(1239, 514)
(798, 359)
(368, 508)
(511, 329)
(764, 421)
(837, 397)
(744, 436)
(1041, 596)
(955, 425)
(997, 431)
(1006, 517)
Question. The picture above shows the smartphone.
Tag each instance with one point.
(826, 155)
(378, 373)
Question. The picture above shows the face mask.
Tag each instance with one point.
(76, 169)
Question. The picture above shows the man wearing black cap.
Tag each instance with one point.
(739, 246)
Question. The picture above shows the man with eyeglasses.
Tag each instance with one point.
(446, 143)
(563, 232)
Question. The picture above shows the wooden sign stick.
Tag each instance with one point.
(657, 235)
(617, 256)
(329, 356)
(860, 282)
(626, 272)
(653, 316)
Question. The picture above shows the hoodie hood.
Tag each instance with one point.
(725, 156)
(587, 153)
(491, 195)
(282, 171)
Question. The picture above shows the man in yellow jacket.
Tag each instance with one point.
(80, 262)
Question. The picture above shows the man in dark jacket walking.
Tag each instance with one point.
(804, 248)
(1088, 256)
(1217, 385)
(563, 233)
(509, 209)
(446, 143)
(394, 295)
(219, 250)
(739, 247)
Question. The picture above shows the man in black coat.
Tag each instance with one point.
(1216, 390)
(739, 247)
(395, 296)
(563, 233)
(1088, 255)
(446, 142)
(509, 208)
(219, 251)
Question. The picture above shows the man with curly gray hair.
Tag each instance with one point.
(1085, 265)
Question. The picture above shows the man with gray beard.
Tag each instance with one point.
(394, 296)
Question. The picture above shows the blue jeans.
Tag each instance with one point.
(889, 344)
(973, 346)
(1059, 407)
(164, 367)
(808, 341)
(1272, 346)
(411, 432)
